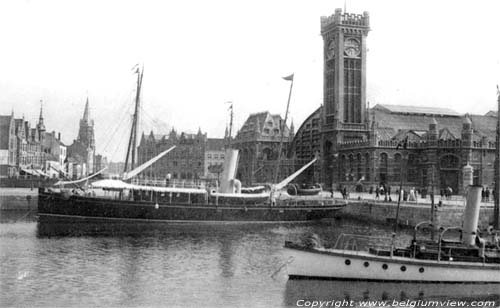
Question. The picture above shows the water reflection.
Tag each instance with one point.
(221, 265)
(325, 290)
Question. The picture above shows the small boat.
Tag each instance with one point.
(471, 259)
(304, 189)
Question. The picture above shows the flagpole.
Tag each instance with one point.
(497, 169)
(282, 129)
(230, 124)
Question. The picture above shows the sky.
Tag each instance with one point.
(198, 55)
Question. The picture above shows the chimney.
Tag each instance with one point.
(59, 136)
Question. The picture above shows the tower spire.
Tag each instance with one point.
(86, 112)
(41, 112)
(41, 125)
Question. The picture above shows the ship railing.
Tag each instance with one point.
(306, 203)
(172, 183)
(358, 242)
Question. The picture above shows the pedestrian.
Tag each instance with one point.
(483, 195)
(167, 179)
(449, 192)
(377, 193)
(487, 194)
(345, 192)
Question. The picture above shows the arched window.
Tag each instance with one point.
(412, 168)
(383, 167)
(359, 166)
(397, 167)
(343, 169)
(267, 154)
(351, 167)
(367, 166)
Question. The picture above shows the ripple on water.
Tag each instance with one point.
(143, 265)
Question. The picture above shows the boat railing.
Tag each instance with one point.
(358, 242)
(305, 203)
(172, 183)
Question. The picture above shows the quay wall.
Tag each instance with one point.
(18, 198)
(411, 214)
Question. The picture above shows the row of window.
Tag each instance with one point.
(215, 156)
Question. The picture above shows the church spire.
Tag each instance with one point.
(86, 113)
(41, 125)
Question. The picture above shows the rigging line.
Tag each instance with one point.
(152, 118)
(156, 123)
(121, 140)
(123, 110)
(103, 117)
(116, 129)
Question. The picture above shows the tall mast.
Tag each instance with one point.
(230, 124)
(282, 128)
(132, 143)
(497, 168)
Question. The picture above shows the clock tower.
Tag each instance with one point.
(344, 116)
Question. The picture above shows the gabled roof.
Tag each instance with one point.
(258, 122)
(412, 135)
(492, 113)
(416, 110)
(445, 134)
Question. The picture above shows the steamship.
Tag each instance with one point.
(123, 200)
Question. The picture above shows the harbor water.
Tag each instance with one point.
(197, 265)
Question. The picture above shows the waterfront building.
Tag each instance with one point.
(82, 150)
(362, 147)
(185, 162)
(55, 154)
(258, 142)
(29, 155)
(8, 146)
(214, 158)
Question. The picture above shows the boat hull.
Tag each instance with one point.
(305, 263)
(56, 206)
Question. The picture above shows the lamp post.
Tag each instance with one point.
(432, 203)
(403, 144)
(400, 191)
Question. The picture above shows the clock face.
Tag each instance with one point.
(330, 52)
(351, 47)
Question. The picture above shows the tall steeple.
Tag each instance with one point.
(86, 132)
(41, 125)
(86, 112)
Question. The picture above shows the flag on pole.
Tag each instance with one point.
(135, 69)
(289, 78)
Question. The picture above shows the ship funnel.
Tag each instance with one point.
(468, 172)
(471, 214)
(229, 172)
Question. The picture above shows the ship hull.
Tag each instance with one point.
(57, 207)
(334, 264)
